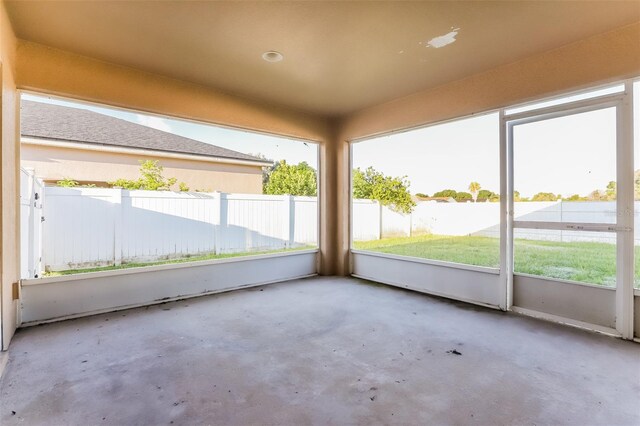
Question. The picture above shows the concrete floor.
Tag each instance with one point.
(317, 351)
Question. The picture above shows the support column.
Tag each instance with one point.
(334, 205)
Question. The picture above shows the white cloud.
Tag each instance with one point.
(154, 122)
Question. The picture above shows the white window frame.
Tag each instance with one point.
(624, 225)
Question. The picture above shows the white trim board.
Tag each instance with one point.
(586, 304)
(162, 267)
(566, 321)
(467, 285)
(454, 265)
(98, 293)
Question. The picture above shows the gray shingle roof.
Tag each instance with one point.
(60, 123)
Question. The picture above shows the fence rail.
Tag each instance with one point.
(87, 227)
(372, 221)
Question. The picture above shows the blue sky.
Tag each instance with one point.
(565, 156)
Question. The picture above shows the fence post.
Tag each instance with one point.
(215, 219)
(380, 224)
(220, 219)
(116, 200)
(292, 220)
(39, 226)
(287, 232)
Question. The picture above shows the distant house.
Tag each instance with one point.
(62, 142)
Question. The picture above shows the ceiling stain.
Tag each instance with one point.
(444, 40)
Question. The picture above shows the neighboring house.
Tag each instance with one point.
(62, 142)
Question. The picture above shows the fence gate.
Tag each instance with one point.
(31, 218)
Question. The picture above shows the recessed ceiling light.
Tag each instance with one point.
(272, 56)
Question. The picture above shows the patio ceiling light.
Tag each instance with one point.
(272, 56)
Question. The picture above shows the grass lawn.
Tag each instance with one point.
(593, 263)
(166, 262)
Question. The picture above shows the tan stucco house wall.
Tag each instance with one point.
(56, 162)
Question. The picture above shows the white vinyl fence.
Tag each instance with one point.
(372, 221)
(87, 227)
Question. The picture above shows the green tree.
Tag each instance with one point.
(611, 190)
(474, 188)
(183, 187)
(486, 195)
(575, 197)
(421, 195)
(151, 178)
(544, 196)
(446, 193)
(389, 191)
(290, 179)
(597, 195)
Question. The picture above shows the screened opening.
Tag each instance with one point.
(565, 174)
(431, 193)
(105, 189)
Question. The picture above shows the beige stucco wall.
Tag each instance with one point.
(9, 178)
(55, 163)
(603, 58)
(47, 70)
(595, 60)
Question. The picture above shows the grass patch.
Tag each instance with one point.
(478, 251)
(168, 262)
(593, 263)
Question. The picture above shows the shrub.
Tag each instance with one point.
(462, 197)
(544, 196)
(67, 183)
(151, 178)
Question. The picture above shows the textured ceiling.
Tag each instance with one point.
(338, 56)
